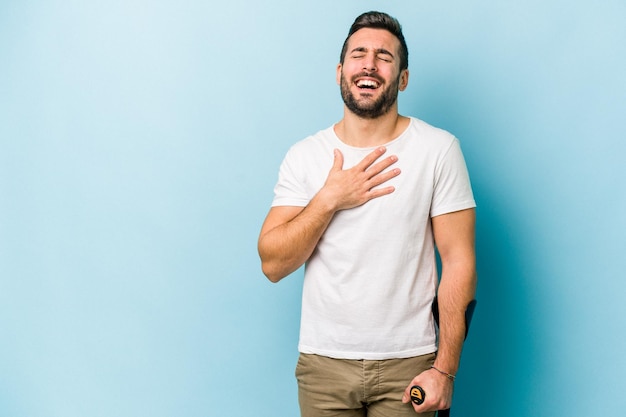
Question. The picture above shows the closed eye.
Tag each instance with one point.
(382, 54)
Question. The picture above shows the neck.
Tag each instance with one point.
(367, 133)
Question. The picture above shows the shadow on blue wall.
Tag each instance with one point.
(501, 351)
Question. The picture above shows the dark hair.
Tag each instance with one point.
(379, 20)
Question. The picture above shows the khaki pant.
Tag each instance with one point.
(357, 388)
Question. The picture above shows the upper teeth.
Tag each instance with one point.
(367, 83)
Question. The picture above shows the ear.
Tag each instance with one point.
(338, 76)
(404, 80)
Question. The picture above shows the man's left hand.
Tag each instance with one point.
(438, 389)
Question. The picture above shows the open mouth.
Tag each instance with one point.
(367, 84)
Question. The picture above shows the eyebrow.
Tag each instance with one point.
(377, 51)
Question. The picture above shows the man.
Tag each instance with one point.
(362, 204)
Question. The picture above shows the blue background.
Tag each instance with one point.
(139, 145)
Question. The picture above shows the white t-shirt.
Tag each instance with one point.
(369, 284)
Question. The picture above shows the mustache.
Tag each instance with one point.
(368, 74)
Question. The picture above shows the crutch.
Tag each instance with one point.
(417, 393)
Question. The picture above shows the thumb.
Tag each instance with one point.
(337, 161)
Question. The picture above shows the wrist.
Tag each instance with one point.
(325, 202)
(444, 373)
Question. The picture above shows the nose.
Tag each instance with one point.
(369, 63)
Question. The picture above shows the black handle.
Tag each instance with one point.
(417, 394)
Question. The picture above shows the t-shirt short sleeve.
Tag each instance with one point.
(452, 188)
(290, 188)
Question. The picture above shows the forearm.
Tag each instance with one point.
(287, 246)
(456, 290)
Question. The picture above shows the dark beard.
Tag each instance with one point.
(370, 110)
